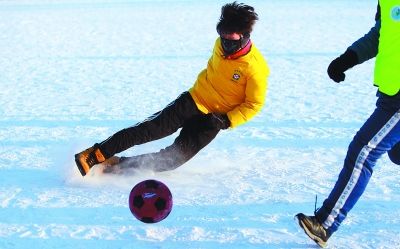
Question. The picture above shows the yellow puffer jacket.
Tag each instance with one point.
(236, 87)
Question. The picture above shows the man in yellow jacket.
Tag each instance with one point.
(228, 93)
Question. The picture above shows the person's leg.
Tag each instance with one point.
(377, 136)
(194, 136)
(394, 154)
(159, 125)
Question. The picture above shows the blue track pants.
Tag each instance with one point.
(379, 135)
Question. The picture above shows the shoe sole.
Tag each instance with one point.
(316, 239)
(79, 165)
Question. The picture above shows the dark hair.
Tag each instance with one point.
(236, 18)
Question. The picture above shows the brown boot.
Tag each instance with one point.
(313, 229)
(86, 159)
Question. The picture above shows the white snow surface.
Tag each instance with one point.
(74, 72)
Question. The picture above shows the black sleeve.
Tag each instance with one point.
(367, 46)
(378, 13)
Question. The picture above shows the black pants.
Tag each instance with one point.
(181, 113)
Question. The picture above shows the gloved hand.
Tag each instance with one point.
(339, 65)
(217, 121)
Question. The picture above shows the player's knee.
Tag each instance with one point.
(394, 154)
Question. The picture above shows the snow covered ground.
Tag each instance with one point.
(74, 72)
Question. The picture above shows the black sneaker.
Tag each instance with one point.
(313, 229)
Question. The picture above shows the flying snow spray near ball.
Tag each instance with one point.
(150, 201)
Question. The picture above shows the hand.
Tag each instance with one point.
(218, 121)
(339, 65)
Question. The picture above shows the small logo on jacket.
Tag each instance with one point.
(396, 13)
(236, 75)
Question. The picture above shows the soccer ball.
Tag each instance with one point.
(150, 201)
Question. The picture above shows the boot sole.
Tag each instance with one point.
(316, 239)
(79, 166)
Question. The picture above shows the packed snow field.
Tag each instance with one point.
(74, 72)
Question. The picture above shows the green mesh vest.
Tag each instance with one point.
(387, 64)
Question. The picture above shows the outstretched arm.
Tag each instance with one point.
(360, 51)
(367, 46)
